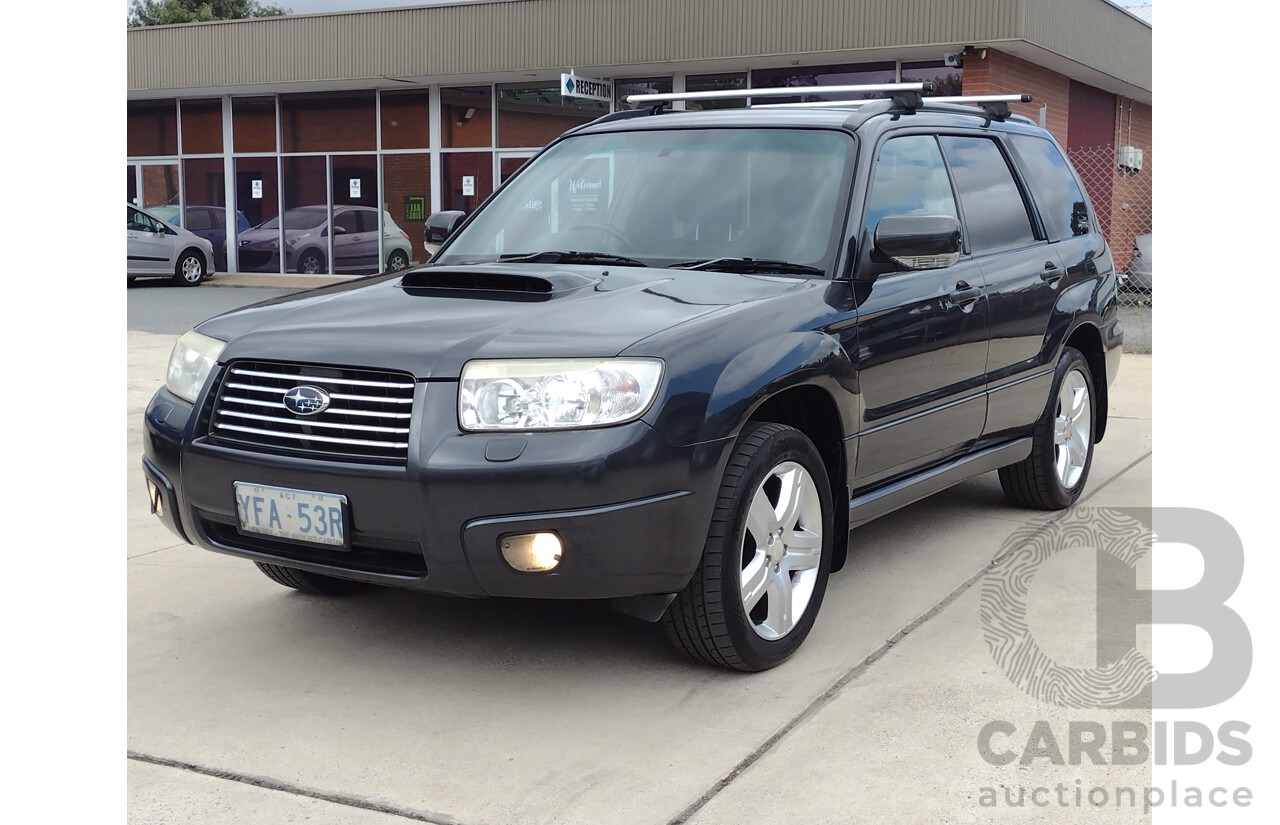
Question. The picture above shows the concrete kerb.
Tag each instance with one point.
(240, 279)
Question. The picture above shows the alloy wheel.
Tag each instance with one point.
(781, 550)
(1072, 429)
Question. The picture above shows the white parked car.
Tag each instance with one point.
(157, 248)
(1137, 275)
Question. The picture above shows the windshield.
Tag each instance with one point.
(304, 217)
(672, 196)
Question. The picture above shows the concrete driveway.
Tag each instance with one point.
(252, 703)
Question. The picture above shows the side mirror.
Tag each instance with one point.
(440, 225)
(339, 230)
(919, 241)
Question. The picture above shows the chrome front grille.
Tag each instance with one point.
(367, 418)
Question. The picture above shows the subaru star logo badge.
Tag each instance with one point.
(306, 400)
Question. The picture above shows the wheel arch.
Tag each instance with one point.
(199, 253)
(1088, 340)
(803, 379)
(316, 250)
(812, 410)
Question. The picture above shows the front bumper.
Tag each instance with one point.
(631, 508)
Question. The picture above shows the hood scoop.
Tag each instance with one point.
(492, 282)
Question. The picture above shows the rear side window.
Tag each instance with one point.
(1055, 189)
(910, 179)
(197, 219)
(994, 212)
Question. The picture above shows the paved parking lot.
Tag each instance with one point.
(251, 703)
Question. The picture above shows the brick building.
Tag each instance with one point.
(417, 109)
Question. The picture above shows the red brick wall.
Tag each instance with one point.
(159, 184)
(328, 123)
(1000, 73)
(522, 129)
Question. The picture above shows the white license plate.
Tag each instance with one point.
(300, 515)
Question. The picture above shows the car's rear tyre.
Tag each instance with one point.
(397, 260)
(311, 263)
(764, 568)
(1053, 476)
(305, 581)
(189, 271)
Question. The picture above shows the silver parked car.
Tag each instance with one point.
(157, 248)
(306, 240)
(1137, 275)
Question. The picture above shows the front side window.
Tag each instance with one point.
(909, 179)
(142, 222)
(994, 212)
(1062, 204)
(672, 195)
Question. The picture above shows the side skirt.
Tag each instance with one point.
(871, 505)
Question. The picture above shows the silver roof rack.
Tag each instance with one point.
(843, 104)
(883, 98)
(782, 91)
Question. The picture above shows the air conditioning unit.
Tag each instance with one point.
(1129, 159)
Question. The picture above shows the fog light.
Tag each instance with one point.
(157, 500)
(532, 552)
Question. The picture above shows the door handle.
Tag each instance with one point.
(964, 295)
(1052, 272)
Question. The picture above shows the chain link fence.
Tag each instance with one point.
(1118, 181)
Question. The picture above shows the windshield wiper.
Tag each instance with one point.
(749, 265)
(570, 257)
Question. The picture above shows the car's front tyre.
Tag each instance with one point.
(311, 263)
(764, 568)
(190, 269)
(305, 581)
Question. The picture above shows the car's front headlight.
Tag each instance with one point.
(193, 358)
(554, 394)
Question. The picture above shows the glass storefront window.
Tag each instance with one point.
(133, 185)
(466, 116)
(201, 127)
(947, 77)
(205, 197)
(253, 124)
(258, 199)
(405, 121)
(306, 215)
(355, 220)
(638, 86)
(204, 180)
(153, 128)
(508, 166)
(468, 179)
(328, 122)
(846, 75)
(534, 114)
(160, 190)
(406, 197)
(716, 83)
